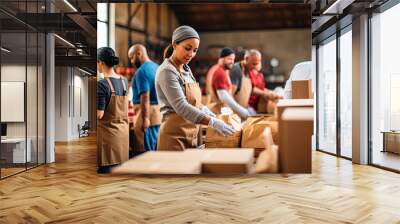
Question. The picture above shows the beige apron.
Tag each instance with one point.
(113, 130)
(155, 119)
(176, 133)
(215, 104)
(243, 96)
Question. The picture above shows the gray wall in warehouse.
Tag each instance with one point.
(289, 46)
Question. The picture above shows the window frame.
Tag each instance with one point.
(341, 27)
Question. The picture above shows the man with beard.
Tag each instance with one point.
(147, 110)
(221, 95)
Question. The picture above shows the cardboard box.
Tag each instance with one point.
(190, 161)
(224, 161)
(286, 103)
(158, 167)
(296, 129)
(161, 162)
(302, 89)
(392, 142)
(267, 161)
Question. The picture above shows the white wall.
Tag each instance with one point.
(13, 73)
(71, 93)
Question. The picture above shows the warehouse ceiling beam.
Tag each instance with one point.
(84, 24)
(259, 16)
(91, 5)
(82, 61)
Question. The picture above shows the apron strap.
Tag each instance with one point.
(181, 79)
(123, 84)
(111, 85)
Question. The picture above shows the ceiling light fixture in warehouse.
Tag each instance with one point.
(84, 71)
(337, 7)
(5, 50)
(64, 40)
(70, 5)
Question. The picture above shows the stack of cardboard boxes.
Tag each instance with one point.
(236, 154)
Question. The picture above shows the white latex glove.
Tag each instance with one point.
(207, 111)
(251, 111)
(220, 126)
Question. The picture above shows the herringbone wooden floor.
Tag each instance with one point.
(70, 191)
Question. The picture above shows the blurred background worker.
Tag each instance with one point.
(147, 110)
(240, 77)
(210, 74)
(112, 113)
(301, 71)
(221, 94)
(260, 96)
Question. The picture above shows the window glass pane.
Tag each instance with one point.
(102, 37)
(346, 94)
(14, 153)
(102, 12)
(41, 99)
(31, 98)
(327, 97)
(385, 86)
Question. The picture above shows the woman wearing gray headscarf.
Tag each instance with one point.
(179, 95)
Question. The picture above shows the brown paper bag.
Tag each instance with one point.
(266, 106)
(216, 140)
(267, 162)
(252, 134)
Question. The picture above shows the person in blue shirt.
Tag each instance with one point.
(144, 97)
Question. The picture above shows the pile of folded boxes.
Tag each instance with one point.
(265, 143)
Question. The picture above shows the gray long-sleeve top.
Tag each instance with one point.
(171, 92)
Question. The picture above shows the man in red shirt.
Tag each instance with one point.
(210, 74)
(259, 90)
(221, 94)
